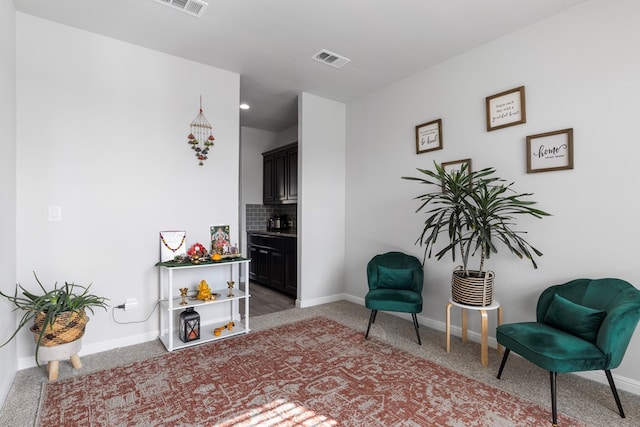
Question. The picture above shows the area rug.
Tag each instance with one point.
(314, 372)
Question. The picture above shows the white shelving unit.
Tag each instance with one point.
(170, 304)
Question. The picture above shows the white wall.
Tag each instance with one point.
(102, 132)
(8, 359)
(580, 69)
(288, 136)
(321, 201)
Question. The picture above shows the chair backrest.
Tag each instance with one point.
(404, 269)
(618, 298)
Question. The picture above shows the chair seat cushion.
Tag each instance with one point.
(550, 348)
(404, 301)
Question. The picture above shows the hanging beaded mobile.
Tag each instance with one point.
(201, 136)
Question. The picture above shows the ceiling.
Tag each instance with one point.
(270, 43)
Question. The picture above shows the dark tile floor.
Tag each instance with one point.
(266, 301)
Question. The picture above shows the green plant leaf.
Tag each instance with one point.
(476, 210)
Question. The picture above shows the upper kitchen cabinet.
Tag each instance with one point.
(280, 175)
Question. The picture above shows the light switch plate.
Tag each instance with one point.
(55, 213)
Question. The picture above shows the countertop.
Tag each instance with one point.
(279, 233)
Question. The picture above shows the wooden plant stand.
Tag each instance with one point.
(54, 354)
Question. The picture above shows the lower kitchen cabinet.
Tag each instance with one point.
(274, 260)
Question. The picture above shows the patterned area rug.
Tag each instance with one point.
(311, 373)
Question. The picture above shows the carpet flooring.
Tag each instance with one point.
(312, 372)
(585, 400)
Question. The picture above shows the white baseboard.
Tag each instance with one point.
(622, 383)
(318, 301)
(29, 362)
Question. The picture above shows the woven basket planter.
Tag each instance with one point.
(67, 327)
(475, 289)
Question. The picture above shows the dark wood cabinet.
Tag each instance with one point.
(292, 173)
(274, 261)
(268, 194)
(280, 175)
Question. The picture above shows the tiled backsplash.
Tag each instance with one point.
(258, 215)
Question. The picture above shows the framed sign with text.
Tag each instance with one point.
(550, 151)
(429, 136)
(457, 166)
(506, 109)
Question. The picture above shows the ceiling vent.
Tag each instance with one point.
(331, 58)
(192, 7)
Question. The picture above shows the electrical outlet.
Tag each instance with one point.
(131, 304)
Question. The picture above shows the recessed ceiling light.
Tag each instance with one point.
(244, 106)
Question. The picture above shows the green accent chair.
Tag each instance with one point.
(582, 325)
(395, 284)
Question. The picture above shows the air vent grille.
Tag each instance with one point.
(331, 58)
(192, 7)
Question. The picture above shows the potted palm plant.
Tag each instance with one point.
(477, 211)
(57, 316)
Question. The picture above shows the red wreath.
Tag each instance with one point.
(197, 249)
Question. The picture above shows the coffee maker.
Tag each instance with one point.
(277, 223)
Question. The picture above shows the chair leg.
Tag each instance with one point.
(554, 403)
(415, 325)
(372, 319)
(504, 361)
(614, 391)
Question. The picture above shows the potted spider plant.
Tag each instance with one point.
(477, 211)
(57, 316)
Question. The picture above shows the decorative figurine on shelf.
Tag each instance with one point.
(183, 294)
(204, 291)
(230, 284)
(234, 250)
(197, 252)
(218, 331)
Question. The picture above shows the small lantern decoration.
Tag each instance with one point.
(189, 325)
(201, 136)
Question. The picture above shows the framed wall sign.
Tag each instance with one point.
(456, 165)
(429, 136)
(506, 109)
(220, 239)
(550, 151)
(172, 244)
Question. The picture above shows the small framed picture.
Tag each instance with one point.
(550, 151)
(220, 237)
(506, 109)
(429, 136)
(457, 165)
(172, 245)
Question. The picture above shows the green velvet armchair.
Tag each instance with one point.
(395, 284)
(582, 325)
